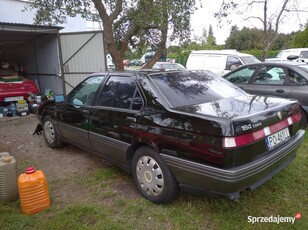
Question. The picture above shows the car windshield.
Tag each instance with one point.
(168, 66)
(194, 87)
(304, 67)
(250, 59)
(304, 54)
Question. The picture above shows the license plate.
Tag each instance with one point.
(8, 99)
(23, 113)
(277, 138)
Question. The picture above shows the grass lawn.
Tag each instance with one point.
(284, 195)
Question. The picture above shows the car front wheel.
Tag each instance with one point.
(152, 176)
(51, 134)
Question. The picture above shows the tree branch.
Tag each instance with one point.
(254, 17)
(118, 9)
(283, 7)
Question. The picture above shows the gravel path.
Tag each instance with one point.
(62, 167)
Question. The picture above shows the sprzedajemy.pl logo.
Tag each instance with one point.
(274, 219)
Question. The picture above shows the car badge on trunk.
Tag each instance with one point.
(279, 115)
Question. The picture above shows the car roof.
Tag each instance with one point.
(222, 52)
(295, 49)
(278, 63)
(131, 72)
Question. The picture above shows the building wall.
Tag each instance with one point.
(12, 11)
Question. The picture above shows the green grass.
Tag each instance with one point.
(283, 195)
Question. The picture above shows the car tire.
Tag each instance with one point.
(152, 176)
(51, 133)
(304, 119)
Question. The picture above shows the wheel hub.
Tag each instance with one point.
(150, 176)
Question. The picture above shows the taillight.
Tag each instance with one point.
(245, 139)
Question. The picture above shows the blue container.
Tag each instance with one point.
(4, 111)
(13, 109)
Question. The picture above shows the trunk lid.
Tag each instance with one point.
(251, 126)
(244, 113)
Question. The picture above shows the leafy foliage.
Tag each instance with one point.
(300, 40)
(251, 39)
(144, 23)
(271, 17)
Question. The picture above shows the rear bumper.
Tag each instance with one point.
(229, 183)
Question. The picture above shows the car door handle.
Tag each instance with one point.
(280, 91)
(84, 111)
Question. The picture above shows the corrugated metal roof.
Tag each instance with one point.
(32, 27)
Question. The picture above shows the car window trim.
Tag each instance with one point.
(114, 109)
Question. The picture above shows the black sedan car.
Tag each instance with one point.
(280, 79)
(175, 130)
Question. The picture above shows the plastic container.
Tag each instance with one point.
(13, 109)
(33, 191)
(8, 178)
(4, 110)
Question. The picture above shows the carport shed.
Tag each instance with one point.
(35, 50)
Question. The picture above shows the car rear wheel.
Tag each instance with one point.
(51, 134)
(152, 177)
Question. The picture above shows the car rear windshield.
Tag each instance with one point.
(250, 59)
(194, 87)
(304, 67)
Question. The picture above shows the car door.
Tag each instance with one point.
(269, 80)
(299, 87)
(113, 118)
(73, 117)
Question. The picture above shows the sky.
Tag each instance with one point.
(204, 17)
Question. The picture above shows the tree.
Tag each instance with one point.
(244, 39)
(270, 20)
(300, 39)
(125, 22)
(211, 40)
(204, 37)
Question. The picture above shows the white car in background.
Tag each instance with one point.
(296, 54)
(219, 62)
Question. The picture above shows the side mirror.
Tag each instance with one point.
(77, 102)
(59, 98)
(292, 57)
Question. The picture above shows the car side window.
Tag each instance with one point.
(242, 76)
(304, 54)
(272, 75)
(296, 79)
(233, 63)
(85, 92)
(120, 92)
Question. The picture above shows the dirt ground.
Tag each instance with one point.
(59, 165)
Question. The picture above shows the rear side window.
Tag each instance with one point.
(270, 75)
(120, 92)
(296, 79)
